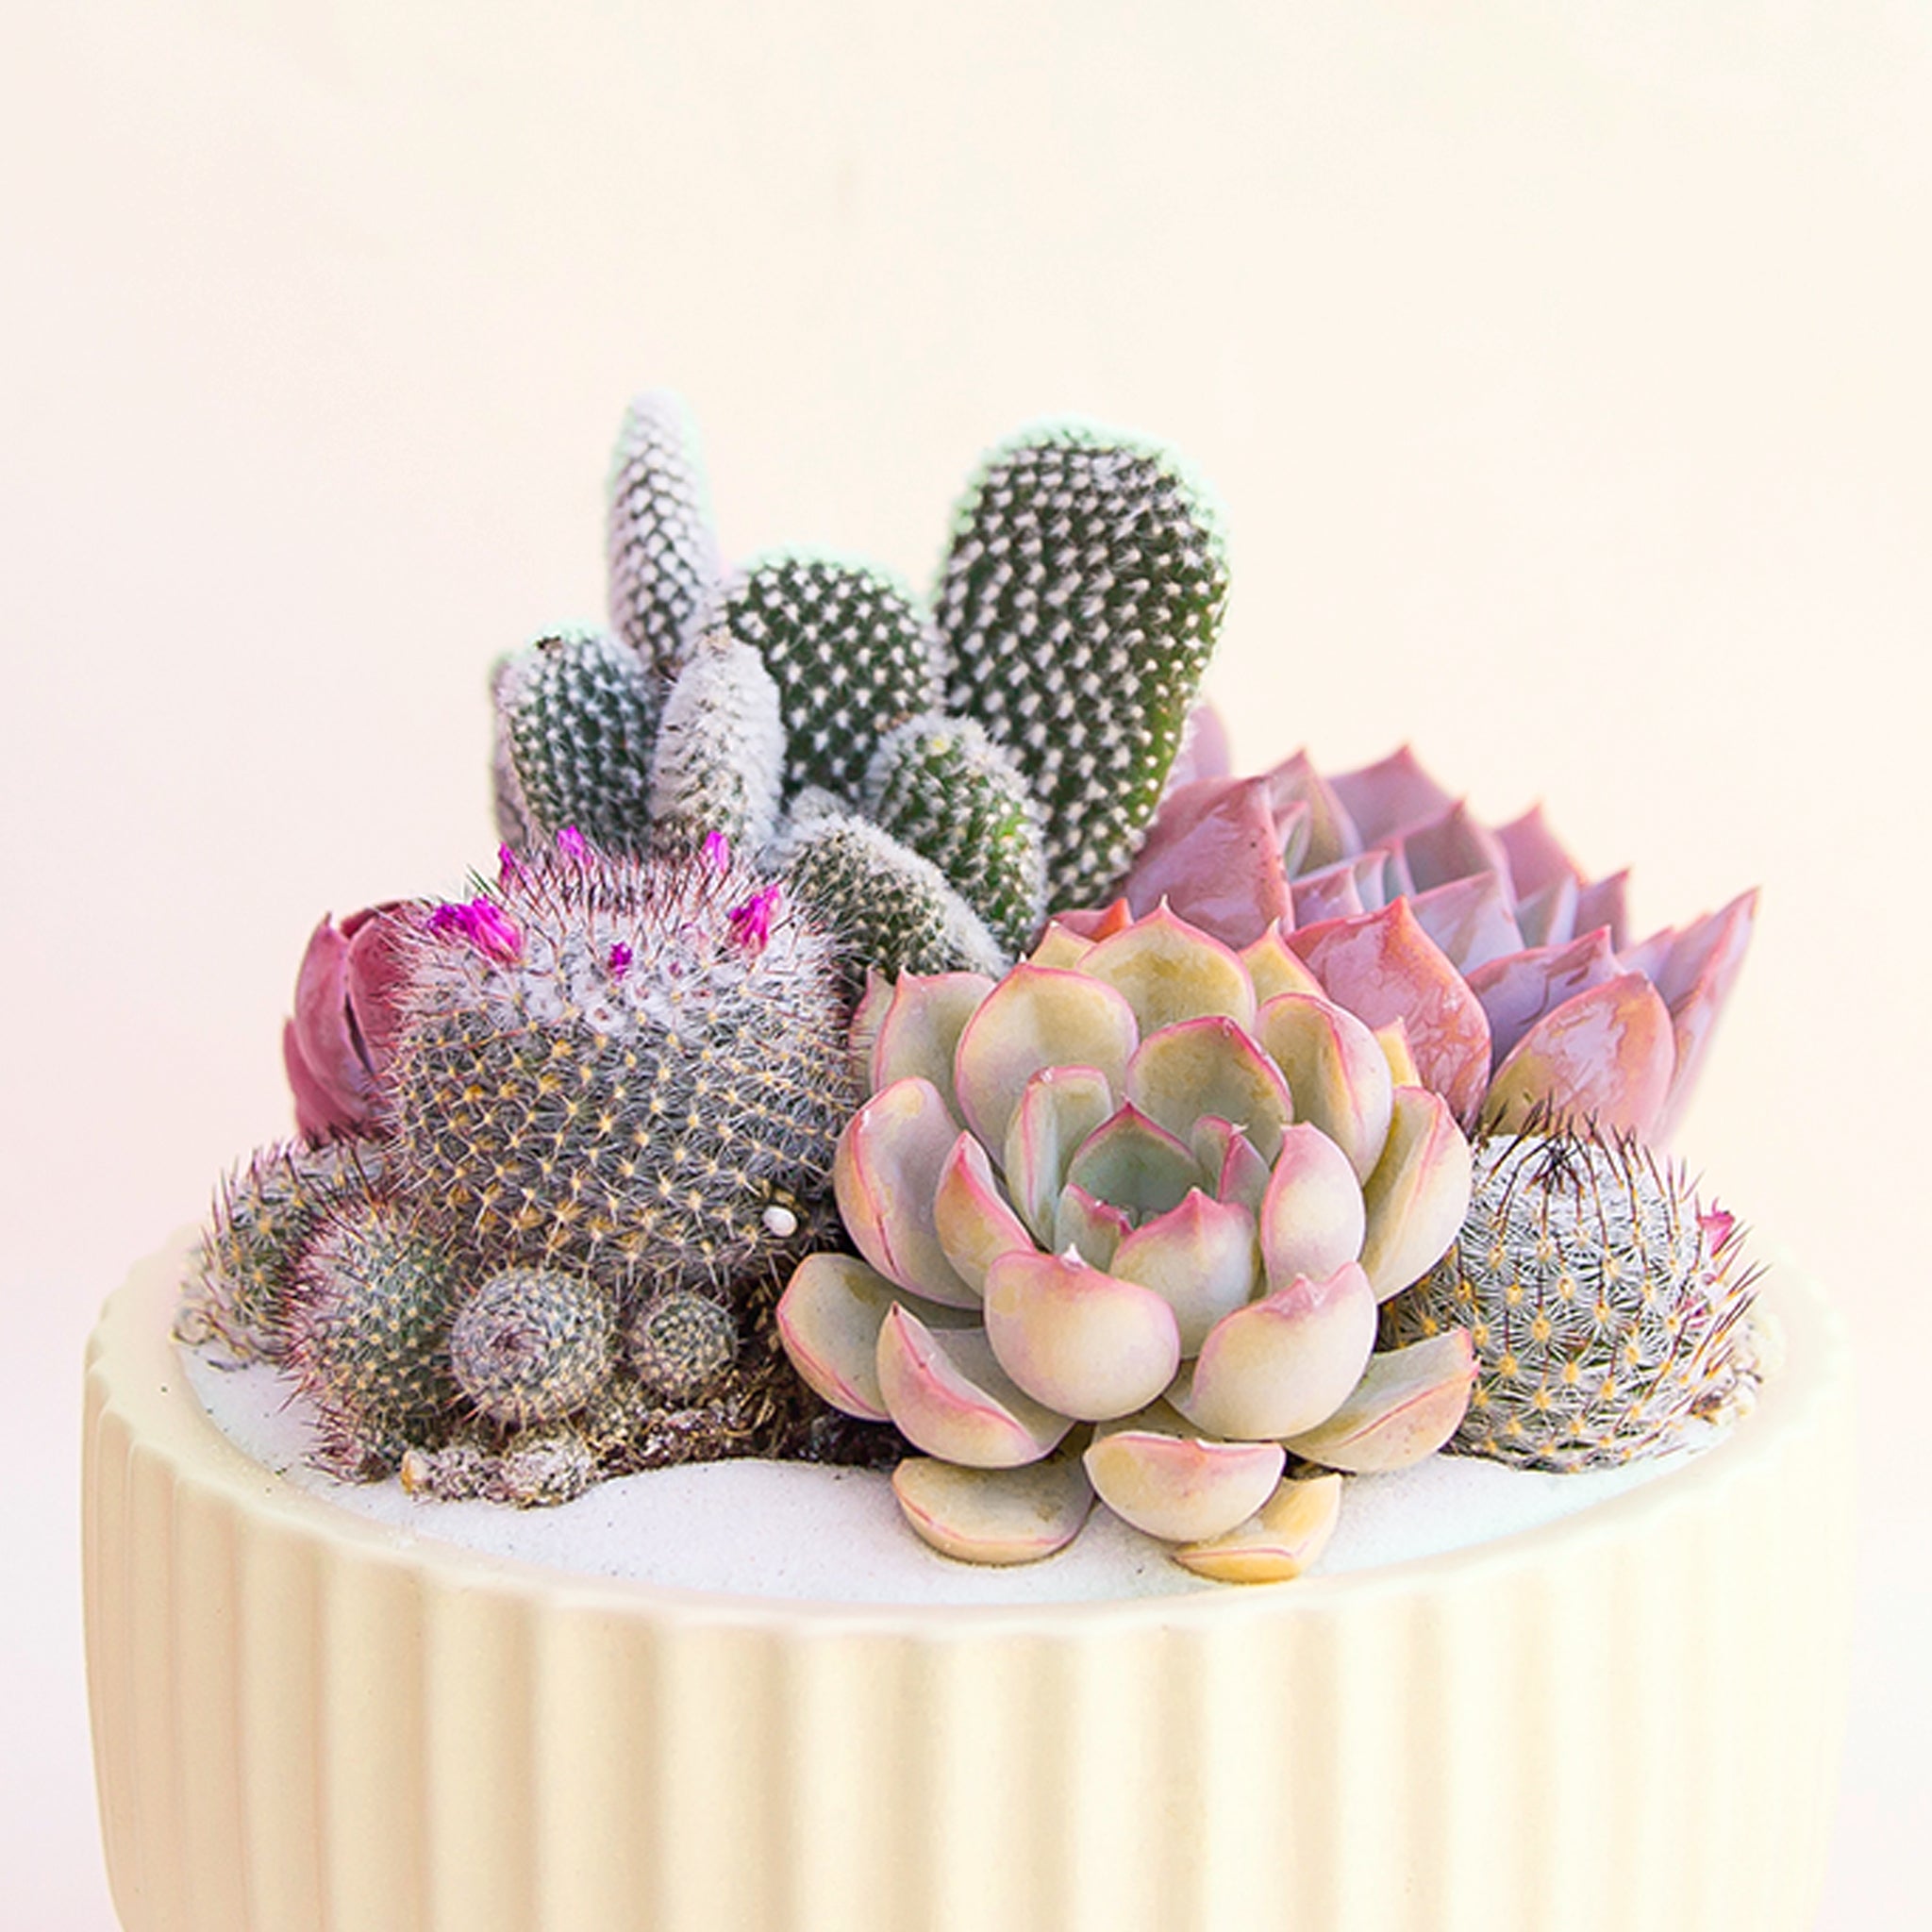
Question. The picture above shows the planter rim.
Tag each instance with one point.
(134, 1370)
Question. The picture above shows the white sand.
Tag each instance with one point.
(770, 1529)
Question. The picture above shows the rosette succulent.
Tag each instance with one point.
(1515, 976)
(1124, 1221)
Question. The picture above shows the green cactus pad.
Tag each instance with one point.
(892, 909)
(720, 748)
(853, 654)
(1078, 608)
(367, 1326)
(941, 787)
(533, 1345)
(578, 713)
(663, 554)
(1608, 1312)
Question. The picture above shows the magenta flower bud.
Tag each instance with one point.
(621, 957)
(571, 843)
(751, 924)
(717, 851)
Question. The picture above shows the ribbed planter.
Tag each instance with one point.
(1625, 1719)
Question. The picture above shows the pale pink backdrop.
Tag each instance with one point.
(1562, 366)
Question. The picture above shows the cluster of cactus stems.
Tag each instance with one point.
(830, 918)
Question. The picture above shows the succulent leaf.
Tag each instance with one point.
(886, 1177)
(918, 1030)
(1406, 1407)
(1336, 1070)
(1283, 1540)
(1059, 1107)
(829, 1318)
(995, 1515)
(1418, 1194)
(1169, 971)
(1312, 1217)
(950, 1396)
(1181, 1487)
(1198, 1258)
(1211, 1068)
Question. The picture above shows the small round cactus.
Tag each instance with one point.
(681, 1342)
(267, 1211)
(532, 1345)
(1607, 1307)
(368, 1322)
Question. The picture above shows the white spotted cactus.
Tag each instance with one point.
(1123, 1222)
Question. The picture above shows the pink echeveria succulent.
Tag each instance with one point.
(1514, 975)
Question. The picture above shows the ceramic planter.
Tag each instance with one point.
(1626, 1718)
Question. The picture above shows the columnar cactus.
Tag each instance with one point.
(720, 745)
(1520, 986)
(1077, 607)
(1607, 1307)
(1142, 1203)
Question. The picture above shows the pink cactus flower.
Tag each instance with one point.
(1514, 975)
(483, 924)
(751, 924)
(717, 851)
(338, 1045)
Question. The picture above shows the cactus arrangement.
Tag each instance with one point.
(889, 1026)
(1606, 1306)
(931, 781)
(1123, 1222)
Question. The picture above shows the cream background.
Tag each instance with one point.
(1562, 367)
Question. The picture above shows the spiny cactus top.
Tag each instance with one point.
(663, 555)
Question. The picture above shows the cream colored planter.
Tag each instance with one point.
(1624, 1722)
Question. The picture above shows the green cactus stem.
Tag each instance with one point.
(1077, 610)
(720, 748)
(577, 714)
(663, 555)
(368, 1326)
(851, 652)
(893, 911)
(941, 788)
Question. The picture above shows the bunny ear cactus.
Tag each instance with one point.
(1077, 610)
(1123, 1226)
(663, 555)
(1520, 988)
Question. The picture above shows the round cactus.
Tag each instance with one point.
(368, 1321)
(1154, 1189)
(532, 1345)
(625, 1068)
(1607, 1307)
(681, 1342)
(266, 1214)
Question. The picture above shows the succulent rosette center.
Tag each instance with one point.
(1123, 1222)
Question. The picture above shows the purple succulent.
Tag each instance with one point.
(1512, 973)
(338, 1043)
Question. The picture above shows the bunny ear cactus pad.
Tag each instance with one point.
(851, 652)
(941, 787)
(577, 714)
(1077, 610)
(663, 555)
